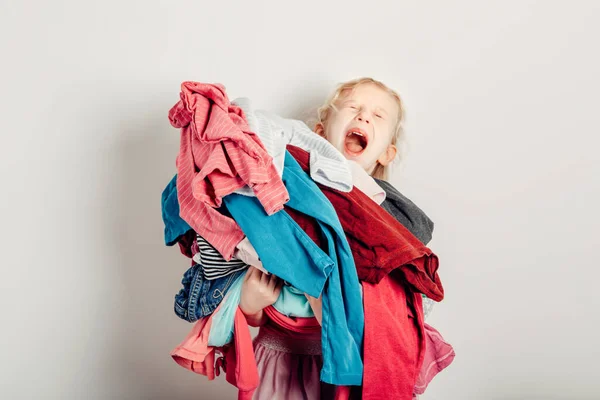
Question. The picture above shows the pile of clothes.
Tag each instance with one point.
(255, 189)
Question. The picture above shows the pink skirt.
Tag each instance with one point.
(288, 367)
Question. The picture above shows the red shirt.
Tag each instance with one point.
(379, 243)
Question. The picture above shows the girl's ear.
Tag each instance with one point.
(388, 155)
(319, 129)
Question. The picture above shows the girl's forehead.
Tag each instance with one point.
(370, 94)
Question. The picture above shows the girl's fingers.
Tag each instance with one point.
(278, 287)
(264, 278)
(272, 281)
(251, 272)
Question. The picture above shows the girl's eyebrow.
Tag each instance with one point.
(378, 108)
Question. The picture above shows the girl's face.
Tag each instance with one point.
(363, 126)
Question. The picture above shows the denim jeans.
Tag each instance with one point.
(200, 297)
(288, 252)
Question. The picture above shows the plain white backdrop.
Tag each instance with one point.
(502, 100)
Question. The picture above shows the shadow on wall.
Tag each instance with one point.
(146, 327)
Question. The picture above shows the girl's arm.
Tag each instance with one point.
(258, 319)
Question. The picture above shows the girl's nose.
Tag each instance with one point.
(361, 117)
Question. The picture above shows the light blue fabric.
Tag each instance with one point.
(221, 328)
(290, 302)
(288, 252)
(293, 303)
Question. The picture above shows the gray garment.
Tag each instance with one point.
(406, 212)
(412, 217)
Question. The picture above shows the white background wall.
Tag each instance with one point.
(502, 101)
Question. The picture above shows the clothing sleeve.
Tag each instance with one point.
(327, 165)
(221, 231)
(413, 218)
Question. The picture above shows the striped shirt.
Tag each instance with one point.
(214, 266)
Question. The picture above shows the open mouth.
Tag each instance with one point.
(355, 142)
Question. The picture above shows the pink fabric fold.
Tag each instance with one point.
(438, 355)
(194, 353)
(238, 360)
(219, 154)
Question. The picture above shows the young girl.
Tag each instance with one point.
(363, 119)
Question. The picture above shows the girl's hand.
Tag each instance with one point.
(259, 290)
(317, 306)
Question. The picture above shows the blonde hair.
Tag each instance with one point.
(323, 113)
